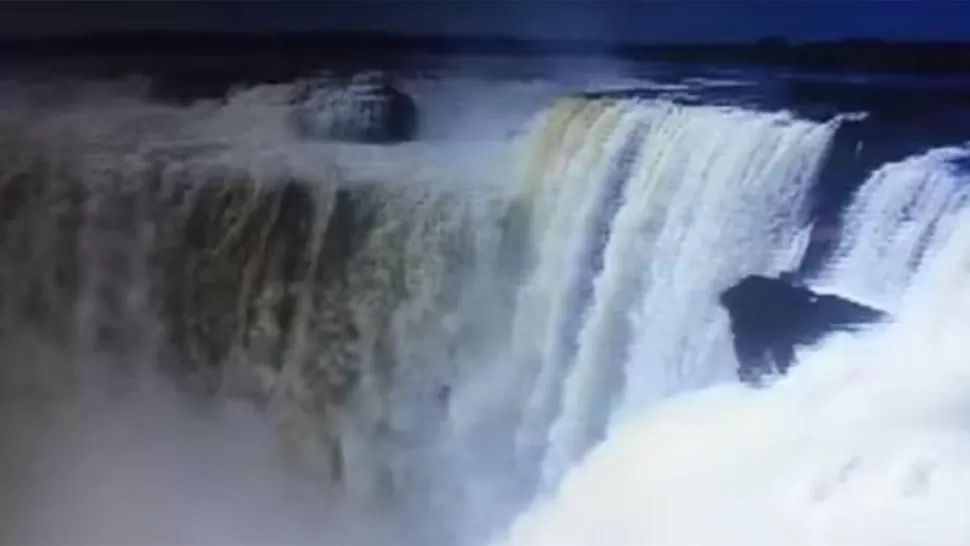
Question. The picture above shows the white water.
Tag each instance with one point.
(149, 468)
(902, 213)
(867, 442)
(642, 216)
(641, 212)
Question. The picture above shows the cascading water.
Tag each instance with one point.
(142, 239)
(899, 215)
(692, 180)
(640, 212)
(864, 443)
(440, 327)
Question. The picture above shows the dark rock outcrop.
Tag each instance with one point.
(771, 317)
(369, 109)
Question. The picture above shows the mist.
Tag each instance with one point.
(119, 459)
(99, 443)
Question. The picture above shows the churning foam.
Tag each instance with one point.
(866, 443)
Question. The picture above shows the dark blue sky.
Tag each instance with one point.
(644, 21)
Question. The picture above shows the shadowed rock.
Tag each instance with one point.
(771, 317)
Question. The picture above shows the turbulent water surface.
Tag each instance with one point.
(502, 332)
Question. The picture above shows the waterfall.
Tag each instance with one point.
(902, 213)
(636, 215)
(641, 213)
(863, 443)
(155, 244)
(518, 325)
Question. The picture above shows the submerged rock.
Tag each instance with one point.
(369, 109)
(771, 317)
